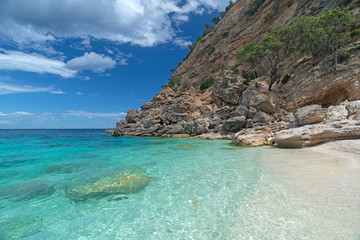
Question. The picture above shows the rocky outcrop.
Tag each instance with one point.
(310, 135)
(232, 106)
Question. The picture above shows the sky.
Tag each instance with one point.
(83, 64)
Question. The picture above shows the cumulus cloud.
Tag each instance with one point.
(81, 113)
(16, 60)
(6, 88)
(140, 22)
(91, 61)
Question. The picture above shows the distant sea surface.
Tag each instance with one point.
(85, 184)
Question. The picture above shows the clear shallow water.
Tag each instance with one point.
(198, 189)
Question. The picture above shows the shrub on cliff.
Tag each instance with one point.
(207, 83)
(267, 54)
(323, 34)
(174, 82)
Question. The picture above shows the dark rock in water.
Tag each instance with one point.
(127, 181)
(63, 168)
(27, 190)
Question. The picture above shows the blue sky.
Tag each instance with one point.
(82, 64)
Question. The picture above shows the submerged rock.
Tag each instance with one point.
(27, 190)
(127, 181)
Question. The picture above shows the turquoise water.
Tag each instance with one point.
(57, 184)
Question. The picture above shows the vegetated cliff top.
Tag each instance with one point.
(248, 20)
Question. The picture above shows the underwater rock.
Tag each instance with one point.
(27, 190)
(183, 147)
(127, 181)
(63, 168)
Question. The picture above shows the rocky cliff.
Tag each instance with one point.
(230, 105)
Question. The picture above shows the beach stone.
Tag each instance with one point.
(250, 140)
(127, 181)
(309, 115)
(234, 124)
(336, 113)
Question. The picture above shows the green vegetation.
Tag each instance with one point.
(269, 52)
(246, 81)
(321, 35)
(257, 85)
(324, 34)
(215, 20)
(174, 83)
(207, 83)
(254, 6)
(343, 56)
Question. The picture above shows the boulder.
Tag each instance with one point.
(224, 112)
(201, 126)
(215, 121)
(189, 127)
(173, 118)
(267, 105)
(230, 95)
(352, 107)
(127, 181)
(132, 116)
(239, 111)
(234, 124)
(336, 113)
(318, 133)
(176, 129)
(261, 117)
(250, 140)
(309, 115)
(117, 132)
(219, 128)
(252, 112)
(249, 123)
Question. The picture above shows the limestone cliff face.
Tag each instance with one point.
(230, 105)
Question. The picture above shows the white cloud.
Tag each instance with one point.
(16, 114)
(16, 60)
(57, 92)
(6, 88)
(81, 113)
(92, 61)
(79, 93)
(140, 22)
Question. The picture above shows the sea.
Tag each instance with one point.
(86, 184)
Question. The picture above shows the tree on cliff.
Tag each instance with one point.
(324, 33)
(266, 55)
